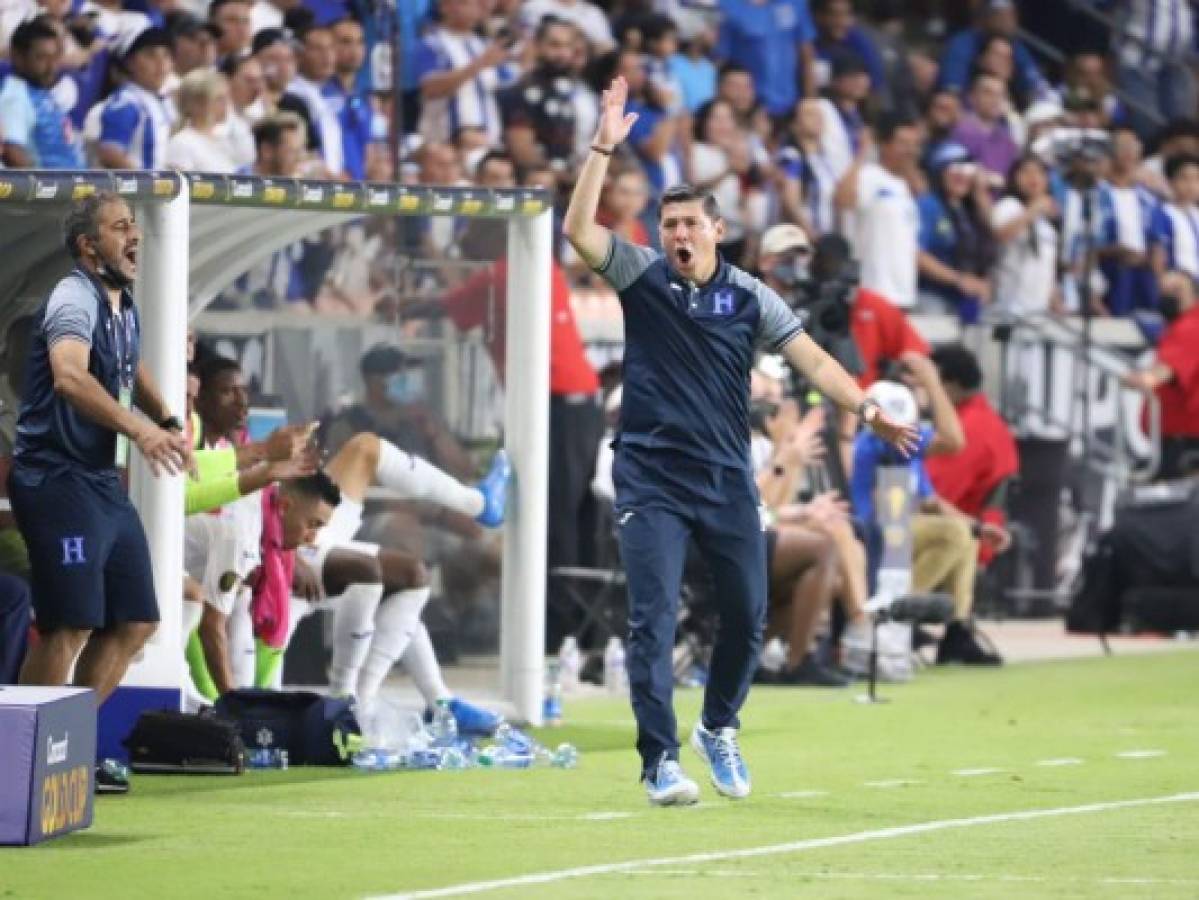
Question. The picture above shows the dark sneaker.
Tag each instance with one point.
(961, 645)
(810, 673)
(112, 777)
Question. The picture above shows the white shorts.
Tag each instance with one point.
(345, 522)
(219, 551)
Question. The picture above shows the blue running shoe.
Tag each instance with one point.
(494, 488)
(725, 766)
(473, 721)
(670, 787)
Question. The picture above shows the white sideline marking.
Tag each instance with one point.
(974, 773)
(891, 783)
(1064, 761)
(859, 837)
(801, 795)
(923, 876)
(1140, 754)
(605, 816)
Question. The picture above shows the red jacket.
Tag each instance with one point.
(1179, 397)
(882, 332)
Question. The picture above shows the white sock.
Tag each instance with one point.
(242, 651)
(418, 479)
(353, 628)
(395, 623)
(421, 662)
(192, 613)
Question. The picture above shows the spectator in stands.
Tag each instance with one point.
(1087, 73)
(1154, 48)
(975, 480)
(773, 42)
(277, 58)
(962, 51)
(362, 128)
(941, 116)
(661, 46)
(984, 131)
(538, 111)
(955, 236)
(848, 94)
(1024, 276)
(1175, 226)
(201, 145)
(94, 590)
(694, 70)
(808, 172)
(135, 123)
(460, 73)
(898, 92)
(588, 18)
(736, 85)
(1179, 136)
(722, 164)
(625, 199)
(233, 25)
(37, 133)
(270, 14)
(1174, 375)
(246, 107)
(278, 145)
(837, 34)
(887, 221)
(1124, 262)
(193, 43)
(316, 64)
(944, 550)
(1084, 225)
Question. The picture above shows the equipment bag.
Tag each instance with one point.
(314, 730)
(165, 741)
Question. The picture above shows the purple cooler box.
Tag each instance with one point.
(47, 762)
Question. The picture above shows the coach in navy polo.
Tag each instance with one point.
(682, 467)
(93, 591)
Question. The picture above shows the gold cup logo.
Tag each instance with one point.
(897, 501)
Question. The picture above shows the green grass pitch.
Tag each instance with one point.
(954, 745)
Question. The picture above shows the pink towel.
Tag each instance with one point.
(271, 607)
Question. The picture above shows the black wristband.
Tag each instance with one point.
(601, 150)
(171, 423)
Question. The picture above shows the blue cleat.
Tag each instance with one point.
(494, 488)
(725, 766)
(670, 787)
(473, 721)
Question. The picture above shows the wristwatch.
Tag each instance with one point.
(171, 423)
(868, 411)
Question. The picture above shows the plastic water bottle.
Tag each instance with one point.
(514, 740)
(266, 758)
(565, 757)
(377, 759)
(429, 758)
(501, 757)
(444, 728)
(615, 678)
(570, 663)
(551, 711)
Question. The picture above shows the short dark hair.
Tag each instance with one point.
(732, 68)
(31, 31)
(500, 156)
(656, 26)
(212, 366)
(217, 4)
(83, 219)
(548, 22)
(959, 366)
(270, 130)
(685, 193)
(317, 486)
(1179, 161)
(889, 123)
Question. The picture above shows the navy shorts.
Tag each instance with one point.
(89, 560)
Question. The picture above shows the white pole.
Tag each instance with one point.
(526, 414)
(161, 294)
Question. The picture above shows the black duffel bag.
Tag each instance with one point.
(169, 742)
(314, 730)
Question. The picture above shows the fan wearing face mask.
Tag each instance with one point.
(1174, 375)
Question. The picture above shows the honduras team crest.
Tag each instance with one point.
(722, 302)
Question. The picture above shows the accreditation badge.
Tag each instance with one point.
(125, 398)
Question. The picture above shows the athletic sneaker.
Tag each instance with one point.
(809, 673)
(111, 777)
(670, 787)
(726, 768)
(494, 488)
(473, 721)
(961, 645)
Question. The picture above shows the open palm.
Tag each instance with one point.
(614, 123)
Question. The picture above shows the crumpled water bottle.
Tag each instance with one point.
(444, 727)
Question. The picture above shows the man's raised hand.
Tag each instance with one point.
(614, 123)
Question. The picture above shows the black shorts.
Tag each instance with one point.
(87, 550)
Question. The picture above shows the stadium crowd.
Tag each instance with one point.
(921, 154)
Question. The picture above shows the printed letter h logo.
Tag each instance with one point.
(72, 551)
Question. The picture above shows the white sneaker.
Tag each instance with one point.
(670, 787)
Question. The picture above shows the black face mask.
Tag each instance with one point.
(1170, 307)
(111, 276)
(790, 273)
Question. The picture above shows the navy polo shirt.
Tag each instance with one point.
(688, 353)
(50, 431)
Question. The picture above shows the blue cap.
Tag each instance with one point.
(946, 154)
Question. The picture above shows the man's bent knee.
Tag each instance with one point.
(133, 635)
